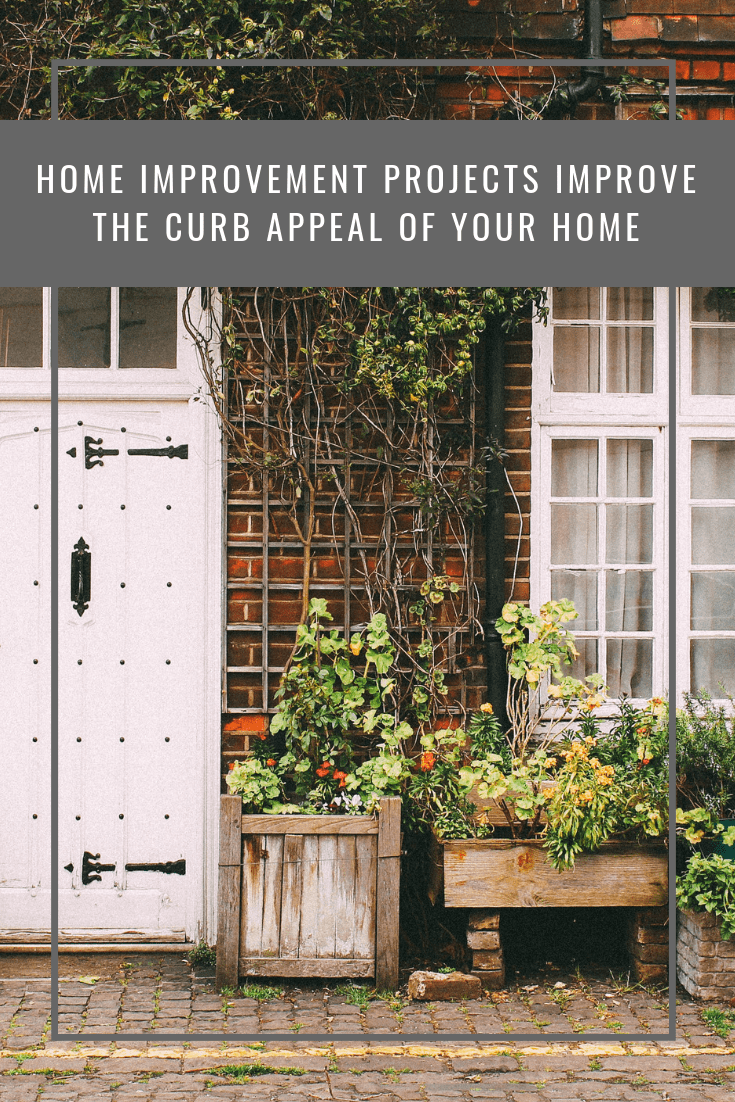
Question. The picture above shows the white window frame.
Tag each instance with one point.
(601, 417)
(712, 409)
(174, 383)
(700, 417)
(28, 383)
(629, 409)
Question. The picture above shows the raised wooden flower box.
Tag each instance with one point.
(490, 875)
(502, 873)
(308, 895)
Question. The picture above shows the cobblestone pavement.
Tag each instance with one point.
(152, 996)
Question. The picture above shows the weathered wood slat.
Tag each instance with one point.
(366, 871)
(293, 851)
(509, 874)
(328, 880)
(305, 966)
(310, 902)
(309, 824)
(270, 935)
(251, 912)
(387, 886)
(344, 902)
(228, 900)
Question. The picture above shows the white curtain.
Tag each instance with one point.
(713, 361)
(629, 543)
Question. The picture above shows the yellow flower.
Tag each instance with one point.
(487, 708)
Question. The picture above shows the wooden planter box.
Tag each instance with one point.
(705, 964)
(308, 895)
(503, 873)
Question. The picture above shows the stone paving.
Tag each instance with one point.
(390, 1048)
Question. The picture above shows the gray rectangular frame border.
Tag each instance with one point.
(358, 63)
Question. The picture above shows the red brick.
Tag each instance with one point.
(254, 723)
(713, 114)
(683, 70)
(689, 113)
(680, 28)
(728, 70)
(728, 112)
(652, 7)
(705, 70)
(697, 7)
(713, 28)
(635, 27)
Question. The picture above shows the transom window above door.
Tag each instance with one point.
(118, 327)
(21, 327)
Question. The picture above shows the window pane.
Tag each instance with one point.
(84, 327)
(713, 536)
(574, 468)
(579, 587)
(629, 600)
(586, 663)
(574, 534)
(577, 359)
(630, 303)
(630, 468)
(709, 305)
(713, 666)
(21, 326)
(148, 327)
(713, 361)
(630, 360)
(629, 665)
(713, 468)
(713, 600)
(577, 303)
(630, 533)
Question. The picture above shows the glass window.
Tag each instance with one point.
(21, 326)
(602, 551)
(584, 362)
(148, 327)
(84, 327)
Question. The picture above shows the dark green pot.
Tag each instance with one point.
(719, 846)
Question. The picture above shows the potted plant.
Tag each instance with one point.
(705, 778)
(310, 852)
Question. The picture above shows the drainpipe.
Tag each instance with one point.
(576, 91)
(493, 363)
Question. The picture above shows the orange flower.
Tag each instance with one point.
(427, 761)
(339, 775)
(271, 761)
(324, 768)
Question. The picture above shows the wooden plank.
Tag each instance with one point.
(309, 824)
(366, 872)
(327, 896)
(270, 935)
(345, 896)
(304, 966)
(309, 897)
(251, 912)
(293, 846)
(228, 891)
(508, 874)
(387, 894)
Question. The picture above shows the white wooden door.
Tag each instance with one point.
(132, 582)
(139, 643)
(25, 663)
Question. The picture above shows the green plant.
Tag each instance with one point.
(537, 647)
(696, 822)
(355, 995)
(705, 755)
(241, 1073)
(721, 1022)
(260, 992)
(202, 954)
(708, 884)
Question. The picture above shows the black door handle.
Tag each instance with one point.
(81, 576)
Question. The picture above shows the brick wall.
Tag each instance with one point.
(698, 34)
(246, 715)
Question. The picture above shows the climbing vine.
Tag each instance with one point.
(368, 395)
